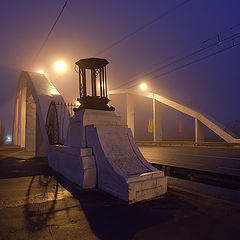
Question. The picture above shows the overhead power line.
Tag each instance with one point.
(193, 62)
(175, 59)
(220, 33)
(195, 53)
(51, 30)
(179, 60)
(141, 28)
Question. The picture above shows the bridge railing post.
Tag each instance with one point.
(130, 111)
(157, 121)
(199, 131)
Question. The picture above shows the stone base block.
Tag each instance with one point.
(77, 165)
(146, 189)
(122, 170)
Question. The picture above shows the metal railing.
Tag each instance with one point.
(64, 111)
(61, 106)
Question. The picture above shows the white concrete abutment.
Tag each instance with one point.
(33, 97)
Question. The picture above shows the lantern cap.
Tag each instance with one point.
(92, 63)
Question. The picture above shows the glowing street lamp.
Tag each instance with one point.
(143, 86)
(8, 139)
(60, 67)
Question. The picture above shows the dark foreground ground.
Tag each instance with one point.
(37, 204)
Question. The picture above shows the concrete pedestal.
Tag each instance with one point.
(77, 165)
(122, 170)
(116, 165)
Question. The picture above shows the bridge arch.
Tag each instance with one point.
(33, 97)
(200, 118)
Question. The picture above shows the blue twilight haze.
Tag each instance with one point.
(156, 54)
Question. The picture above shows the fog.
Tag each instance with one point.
(88, 27)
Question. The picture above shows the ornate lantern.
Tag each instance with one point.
(94, 94)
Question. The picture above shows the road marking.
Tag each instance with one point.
(235, 169)
(178, 152)
(208, 156)
(175, 163)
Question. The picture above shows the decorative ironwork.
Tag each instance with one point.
(98, 98)
(52, 125)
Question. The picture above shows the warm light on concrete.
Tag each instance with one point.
(77, 103)
(143, 86)
(60, 66)
(40, 71)
(54, 91)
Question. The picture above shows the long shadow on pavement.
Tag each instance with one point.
(107, 216)
(38, 213)
(12, 167)
(111, 218)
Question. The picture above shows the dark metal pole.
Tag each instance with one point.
(105, 78)
(100, 77)
(80, 82)
(92, 82)
(103, 82)
(84, 82)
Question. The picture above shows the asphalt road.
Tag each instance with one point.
(225, 161)
(37, 204)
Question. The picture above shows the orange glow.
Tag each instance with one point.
(143, 86)
(54, 91)
(40, 71)
(77, 103)
(60, 66)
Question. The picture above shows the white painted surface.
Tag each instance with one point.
(42, 92)
(73, 164)
(206, 120)
(30, 123)
(122, 170)
(118, 150)
(157, 121)
(130, 112)
(199, 131)
(75, 161)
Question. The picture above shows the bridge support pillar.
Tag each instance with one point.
(199, 131)
(157, 121)
(30, 123)
(130, 111)
(20, 116)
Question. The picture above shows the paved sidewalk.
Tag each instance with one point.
(41, 207)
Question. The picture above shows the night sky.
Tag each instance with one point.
(90, 28)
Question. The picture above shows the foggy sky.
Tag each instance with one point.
(87, 27)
